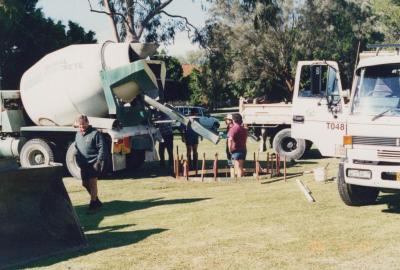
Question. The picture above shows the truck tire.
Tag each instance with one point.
(36, 152)
(285, 145)
(135, 159)
(70, 162)
(354, 195)
(72, 166)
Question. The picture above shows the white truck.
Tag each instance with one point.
(316, 96)
(112, 83)
(273, 121)
(366, 133)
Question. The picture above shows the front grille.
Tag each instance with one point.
(388, 154)
(392, 176)
(381, 141)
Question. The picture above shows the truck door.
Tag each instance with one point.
(318, 106)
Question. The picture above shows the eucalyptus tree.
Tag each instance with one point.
(142, 20)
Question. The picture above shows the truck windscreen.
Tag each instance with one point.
(378, 90)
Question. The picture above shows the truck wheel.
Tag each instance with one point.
(285, 145)
(135, 159)
(36, 152)
(354, 195)
(70, 162)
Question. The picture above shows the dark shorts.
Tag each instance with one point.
(88, 172)
(192, 140)
(239, 155)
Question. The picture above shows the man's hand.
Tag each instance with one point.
(98, 166)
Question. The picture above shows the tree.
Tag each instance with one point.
(142, 20)
(175, 88)
(389, 19)
(27, 36)
(253, 45)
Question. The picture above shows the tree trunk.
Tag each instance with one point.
(114, 23)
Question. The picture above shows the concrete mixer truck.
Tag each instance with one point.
(112, 83)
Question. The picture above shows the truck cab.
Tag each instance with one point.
(372, 141)
(364, 132)
(320, 106)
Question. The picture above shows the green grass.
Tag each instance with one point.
(152, 221)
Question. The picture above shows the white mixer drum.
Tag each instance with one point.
(67, 82)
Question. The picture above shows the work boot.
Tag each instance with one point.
(98, 202)
(94, 206)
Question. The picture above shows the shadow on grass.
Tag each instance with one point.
(281, 178)
(300, 163)
(312, 154)
(91, 222)
(107, 239)
(103, 238)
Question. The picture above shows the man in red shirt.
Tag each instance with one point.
(237, 138)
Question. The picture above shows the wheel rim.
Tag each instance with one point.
(289, 144)
(36, 157)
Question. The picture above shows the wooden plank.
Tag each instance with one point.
(305, 190)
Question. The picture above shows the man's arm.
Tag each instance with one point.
(101, 146)
(230, 144)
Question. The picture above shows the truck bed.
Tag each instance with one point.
(266, 114)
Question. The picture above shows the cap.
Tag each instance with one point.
(228, 116)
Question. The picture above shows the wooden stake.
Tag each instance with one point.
(278, 164)
(203, 167)
(284, 168)
(177, 167)
(186, 170)
(215, 167)
(255, 163)
(267, 163)
(273, 156)
(196, 169)
(257, 170)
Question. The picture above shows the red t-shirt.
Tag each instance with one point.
(238, 135)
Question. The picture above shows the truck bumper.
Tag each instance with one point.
(371, 174)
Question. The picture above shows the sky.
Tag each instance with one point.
(79, 11)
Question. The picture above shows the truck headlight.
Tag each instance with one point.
(362, 174)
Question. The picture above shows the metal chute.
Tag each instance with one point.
(174, 115)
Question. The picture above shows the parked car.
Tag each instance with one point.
(199, 113)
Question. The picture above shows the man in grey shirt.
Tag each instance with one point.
(90, 157)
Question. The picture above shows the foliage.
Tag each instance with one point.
(172, 64)
(27, 36)
(143, 20)
(194, 82)
(253, 46)
(389, 19)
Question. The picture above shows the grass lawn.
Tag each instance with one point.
(152, 221)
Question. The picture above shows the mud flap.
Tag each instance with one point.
(174, 115)
(37, 218)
